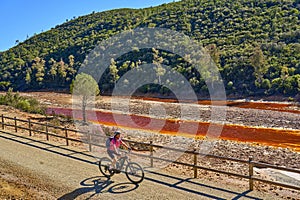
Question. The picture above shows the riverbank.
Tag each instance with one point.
(268, 118)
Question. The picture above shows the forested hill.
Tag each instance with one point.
(254, 43)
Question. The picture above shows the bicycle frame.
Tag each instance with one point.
(121, 162)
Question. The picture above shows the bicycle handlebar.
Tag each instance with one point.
(125, 153)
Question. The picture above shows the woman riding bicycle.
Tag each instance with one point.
(113, 150)
(107, 166)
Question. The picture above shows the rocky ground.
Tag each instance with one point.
(234, 115)
(205, 113)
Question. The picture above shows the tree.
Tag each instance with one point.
(27, 77)
(53, 68)
(258, 62)
(113, 69)
(71, 61)
(214, 53)
(157, 61)
(62, 66)
(207, 72)
(85, 87)
(70, 70)
(39, 67)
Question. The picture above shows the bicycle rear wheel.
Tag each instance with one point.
(134, 172)
(104, 165)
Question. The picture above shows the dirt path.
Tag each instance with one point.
(33, 169)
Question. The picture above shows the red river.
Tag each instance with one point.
(266, 136)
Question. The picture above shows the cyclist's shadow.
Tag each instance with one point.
(97, 185)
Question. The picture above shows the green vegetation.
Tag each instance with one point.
(255, 44)
(86, 88)
(26, 104)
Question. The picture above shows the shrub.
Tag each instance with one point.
(230, 85)
(23, 103)
(266, 84)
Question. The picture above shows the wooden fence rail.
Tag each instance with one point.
(251, 164)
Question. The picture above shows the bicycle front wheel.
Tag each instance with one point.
(134, 172)
(104, 165)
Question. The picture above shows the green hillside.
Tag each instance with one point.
(254, 43)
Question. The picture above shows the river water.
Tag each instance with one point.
(267, 136)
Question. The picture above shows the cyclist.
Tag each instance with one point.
(114, 146)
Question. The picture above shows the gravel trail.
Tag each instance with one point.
(32, 169)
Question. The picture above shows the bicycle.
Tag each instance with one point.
(134, 172)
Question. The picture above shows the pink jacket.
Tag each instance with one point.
(115, 142)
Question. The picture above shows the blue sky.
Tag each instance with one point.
(22, 18)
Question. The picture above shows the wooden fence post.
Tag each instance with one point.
(66, 134)
(29, 127)
(2, 121)
(151, 153)
(16, 129)
(90, 140)
(195, 163)
(47, 132)
(250, 174)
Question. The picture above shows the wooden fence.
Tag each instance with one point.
(251, 164)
